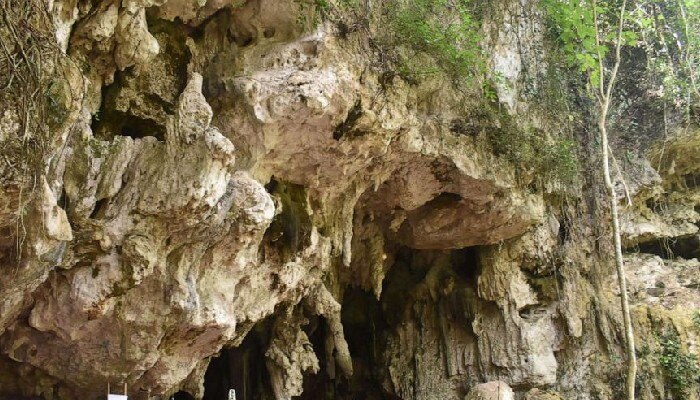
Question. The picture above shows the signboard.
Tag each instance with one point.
(117, 397)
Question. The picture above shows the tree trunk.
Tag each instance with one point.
(619, 262)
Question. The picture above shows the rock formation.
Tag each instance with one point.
(229, 199)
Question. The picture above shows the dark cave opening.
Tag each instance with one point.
(320, 385)
(370, 324)
(181, 395)
(419, 280)
(241, 369)
(111, 120)
(116, 123)
(414, 269)
(685, 247)
(363, 325)
(290, 230)
(99, 208)
(465, 263)
(435, 291)
(138, 128)
(347, 127)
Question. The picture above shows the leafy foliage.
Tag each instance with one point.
(679, 367)
(418, 38)
(587, 31)
(444, 30)
(530, 148)
(670, 30)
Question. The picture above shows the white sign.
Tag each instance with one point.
(117, 397)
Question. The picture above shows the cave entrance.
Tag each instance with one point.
(241, 368)
(685, 247)
(362, 321)
(182, 396)
(372, 327)
(434, 290)
(320, 385)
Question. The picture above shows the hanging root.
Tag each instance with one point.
(29, 57)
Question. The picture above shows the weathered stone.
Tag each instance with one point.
(496, 390)
(537, 394)
(289, 355)
(221, 171)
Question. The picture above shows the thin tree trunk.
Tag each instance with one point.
(619, 262)
(604, 98)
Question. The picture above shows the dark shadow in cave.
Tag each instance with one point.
(362, 324)
(182, 396)
(465, 263)
(685, 247)
(320, 385)
(125, 124)
(444, 281)
(241, 369)
(290, 230)
(367, 323)
(137, 128)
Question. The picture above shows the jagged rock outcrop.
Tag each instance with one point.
(224, 178)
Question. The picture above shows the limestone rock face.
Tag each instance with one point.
(537, 394)
(496, 390)
(139, 262)
(230, 199)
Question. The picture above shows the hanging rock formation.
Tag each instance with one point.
(220, 181)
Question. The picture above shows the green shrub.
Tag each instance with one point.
(587, 32)
(671, 36)
(416, 38)
(680, 368)
(530, 148)
(443, 30)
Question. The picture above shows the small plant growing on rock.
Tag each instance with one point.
(443, 30)
(418, 38)
(680, 368)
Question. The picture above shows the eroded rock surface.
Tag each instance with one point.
(231, 194)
